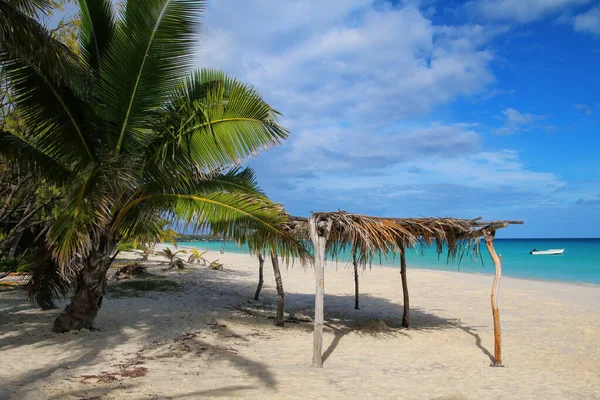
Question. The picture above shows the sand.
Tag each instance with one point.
(211, 339)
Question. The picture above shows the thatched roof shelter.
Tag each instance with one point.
(367, 237)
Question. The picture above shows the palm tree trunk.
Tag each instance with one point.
(261, 263)
(14, 245)
(404, 289)
(356, 305)
(90, 289)
(280, 293)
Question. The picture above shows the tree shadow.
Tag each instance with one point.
(470, 330)
(98, 393)
(23, 326)
(378, 317)
(342, 319)
(207, 295)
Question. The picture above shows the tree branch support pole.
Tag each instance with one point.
(261, 263)
(356, 292)
(489, 242)
(319, 233)
(279, 286)
(406, 299)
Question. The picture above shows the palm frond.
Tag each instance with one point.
(96, 30)
(197, 257)
(52, 110)
(22, 37)
(31, 8)
(239, 180)
(214, 121)
(20, 151)
(46, 281)
(88, 211)
(151, 50)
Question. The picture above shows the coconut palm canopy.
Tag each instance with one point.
(131, 134)
(367, 237)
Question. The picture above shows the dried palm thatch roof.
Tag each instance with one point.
(367, 237)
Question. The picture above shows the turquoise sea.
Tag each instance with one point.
(579, 263)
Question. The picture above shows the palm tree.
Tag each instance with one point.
(261, 242)
(174, 260)
(133, 137)
(197, 257)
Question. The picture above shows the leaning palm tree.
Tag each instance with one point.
(261, 242)
(133, 137)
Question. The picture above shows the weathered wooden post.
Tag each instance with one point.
(404, 288)
(279, 286)
(356, 293)
(319, 233)
(261, 263)
(489, 242)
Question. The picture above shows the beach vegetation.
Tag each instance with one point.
(216, 265)
(131, 137)
(197, 257)
(174, 260)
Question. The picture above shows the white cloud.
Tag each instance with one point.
(588, 22)
(478, 182)
(352, 61)
(360, 149)
(521, 11)
(355, 81)
(516, 121)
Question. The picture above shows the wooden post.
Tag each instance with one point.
(356, 306)
(406, 300)
(319, 232)
(279, 286)
(489, 242)
(261, 263)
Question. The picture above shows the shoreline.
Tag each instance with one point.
(426, 268)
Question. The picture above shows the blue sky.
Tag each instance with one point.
(425, 108)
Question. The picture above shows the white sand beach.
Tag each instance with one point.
(211, 339)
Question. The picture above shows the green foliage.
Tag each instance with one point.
(23, 267)
(130, 134)
(8, 265)
(172, 256)
(21, 189)
(125, 246)
(216, 265)
(197, 257)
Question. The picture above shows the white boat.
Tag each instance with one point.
(536, 252)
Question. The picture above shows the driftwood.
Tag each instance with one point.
(489, 242)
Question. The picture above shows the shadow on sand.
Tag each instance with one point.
(22, 325)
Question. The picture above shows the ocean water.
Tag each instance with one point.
(579, 263)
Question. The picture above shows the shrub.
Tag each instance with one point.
(125, 246)
(8, 265)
